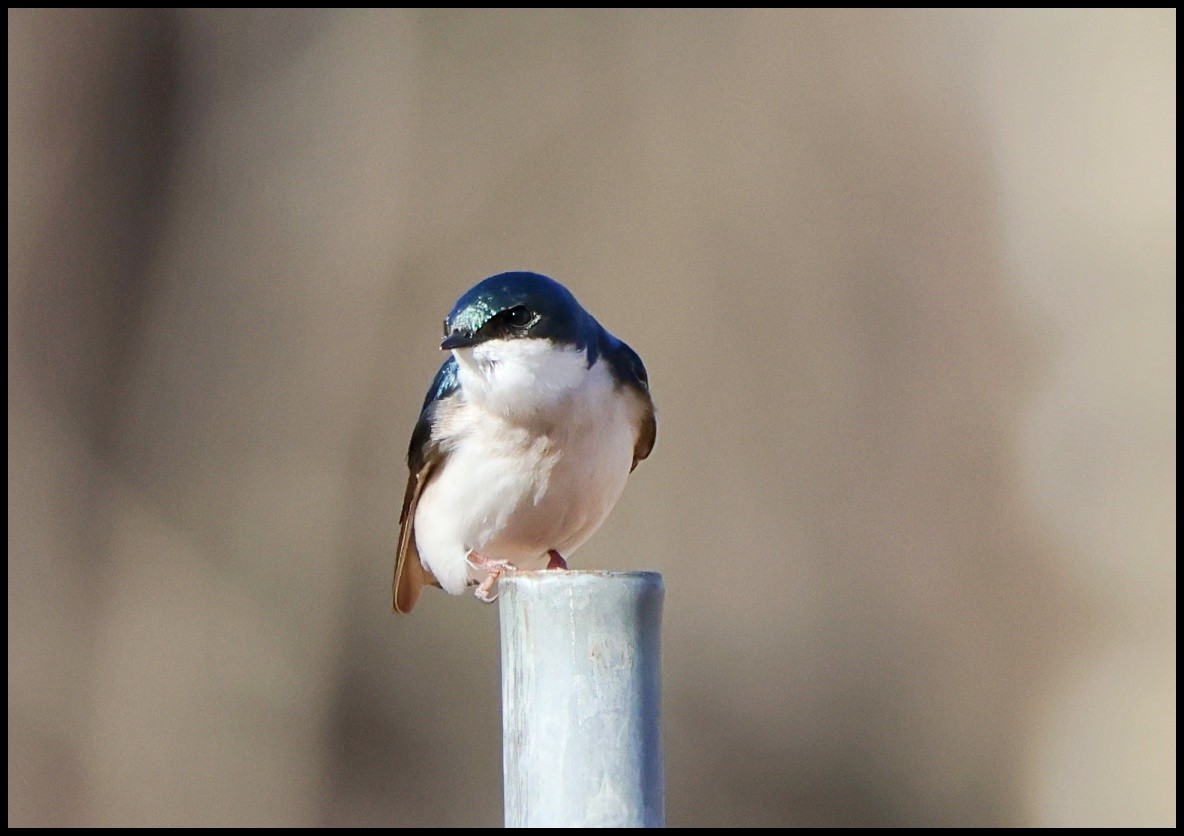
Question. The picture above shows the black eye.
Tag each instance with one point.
(519, 316)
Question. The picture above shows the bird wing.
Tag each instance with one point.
(648, 434)
(410, 574)
(630, 371)
(424, 456)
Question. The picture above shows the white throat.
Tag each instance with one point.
(520, 376)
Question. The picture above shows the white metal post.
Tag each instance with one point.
(581, 694)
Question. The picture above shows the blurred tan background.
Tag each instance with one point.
(905, 286)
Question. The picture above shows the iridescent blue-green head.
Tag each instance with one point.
(518, 305)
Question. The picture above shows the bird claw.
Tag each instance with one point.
(485, 591)
(494, 569)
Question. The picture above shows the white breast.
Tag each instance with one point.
(539, 448)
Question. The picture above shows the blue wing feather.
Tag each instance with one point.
(444, 384)
(422, 457)
(628, 370)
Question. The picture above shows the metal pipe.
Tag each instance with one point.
(581, 695)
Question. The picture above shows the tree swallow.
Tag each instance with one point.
(525, 440)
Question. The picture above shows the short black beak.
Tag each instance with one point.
(459, 339)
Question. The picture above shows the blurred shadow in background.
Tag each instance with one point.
(905, 285)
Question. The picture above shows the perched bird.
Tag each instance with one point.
(525, 440)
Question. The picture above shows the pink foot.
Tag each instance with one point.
(494, 569)
(556, 561)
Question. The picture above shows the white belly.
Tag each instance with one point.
(513, 488)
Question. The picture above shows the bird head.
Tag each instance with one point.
(522, 335)
(515, 306)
